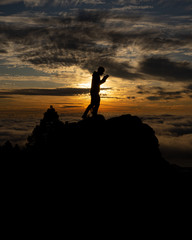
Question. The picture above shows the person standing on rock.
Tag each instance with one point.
(95, 88)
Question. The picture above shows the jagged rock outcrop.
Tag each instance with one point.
(113, 148)
(123, 143)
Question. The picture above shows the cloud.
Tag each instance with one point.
(5, 2)
(117, 69)
(71, 106)
(63, 3)
(176, 6)
(88, 37)
(167, 3)
(1, 97)
(177, 150)
(35, 3)
(63, 42)
(180, 128)
(159, 93)
(47, 92)
(165, 95)
(174, 133)
(29, 84)
(167, 70)
(16, 130)
(188, 88)
(170, 125)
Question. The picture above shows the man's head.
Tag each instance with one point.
(101, 70)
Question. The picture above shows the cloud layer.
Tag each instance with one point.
(166, 69)
(132, 44)
(175, 137)
(160, 93)
(46, 92)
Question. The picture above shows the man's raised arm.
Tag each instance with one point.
(104, 79)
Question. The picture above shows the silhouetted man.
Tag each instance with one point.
(95, 88)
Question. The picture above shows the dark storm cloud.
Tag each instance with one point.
(47, 92)
(166, 69)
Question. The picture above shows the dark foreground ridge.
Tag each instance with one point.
(120, 145)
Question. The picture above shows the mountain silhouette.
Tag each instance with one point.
(115, 147)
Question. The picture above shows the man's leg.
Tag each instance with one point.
(86, 111)
(96, 106)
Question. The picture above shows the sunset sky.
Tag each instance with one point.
(50, 48)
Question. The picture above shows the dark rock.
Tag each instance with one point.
(113, 148)
(120, 144)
